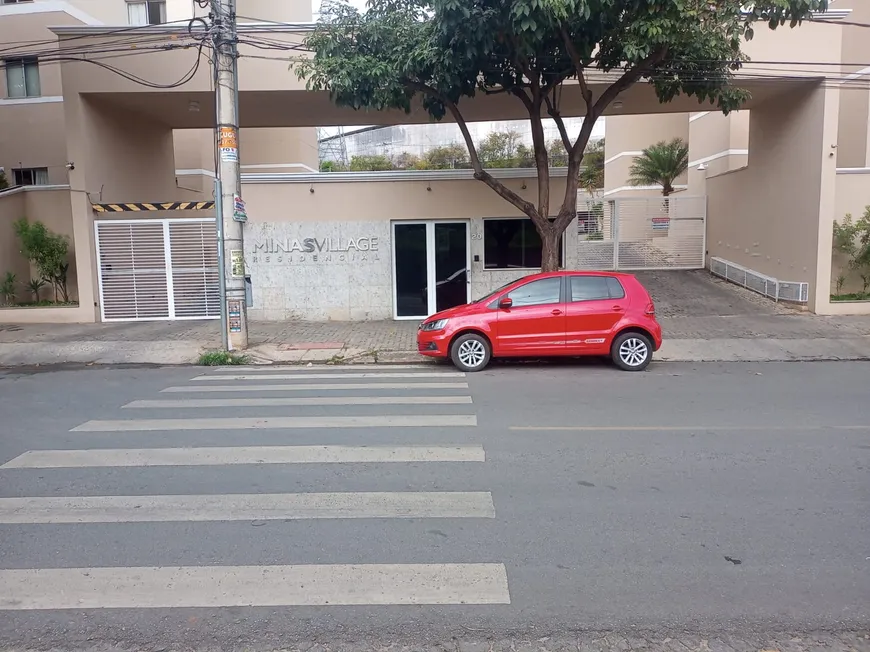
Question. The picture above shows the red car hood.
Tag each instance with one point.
(456, 311)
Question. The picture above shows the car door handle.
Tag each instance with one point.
(618, 308)
(557, 312)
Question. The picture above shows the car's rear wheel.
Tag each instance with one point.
(631, 351)
(470, 352)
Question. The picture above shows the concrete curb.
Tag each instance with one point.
(186, 352)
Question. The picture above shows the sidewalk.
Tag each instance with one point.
(745, 337)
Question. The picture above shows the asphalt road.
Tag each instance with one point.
(556, 499)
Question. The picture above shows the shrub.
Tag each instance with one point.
(221, 359)
(7, 289)
(48, 252)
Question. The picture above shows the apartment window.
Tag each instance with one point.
(30, 176)
(512, 244)
(150, 12)
(22, 78)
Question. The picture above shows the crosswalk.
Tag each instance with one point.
(306, 415)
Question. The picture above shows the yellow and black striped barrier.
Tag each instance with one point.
(168, 206)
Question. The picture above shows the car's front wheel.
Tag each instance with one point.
(470, 352)
(631, 351)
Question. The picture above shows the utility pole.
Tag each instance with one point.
(229, 207)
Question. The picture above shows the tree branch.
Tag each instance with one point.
(542, 161)
(628, 78)
(479, 173)
(585, 91)
(560, 123)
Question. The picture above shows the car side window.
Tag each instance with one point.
(537, 293)
(589, 288)
(615, 287)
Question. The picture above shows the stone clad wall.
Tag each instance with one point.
(319, 271)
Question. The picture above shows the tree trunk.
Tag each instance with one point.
(550, 241)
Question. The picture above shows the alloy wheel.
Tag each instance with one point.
(471, 353)
(633, 352)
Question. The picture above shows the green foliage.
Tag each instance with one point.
(4, 181)
(48, 252)
(503, 149)
(331, 166)
(853, 239)
(592, 174)
(376, 162)
(447, 49)
(35, 286)
(660, 164)
(221, 359)
(407, 161)
(7, 289)
(445, 157)
(402, 54)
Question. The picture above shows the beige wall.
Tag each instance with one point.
(109, 12)
(261, 150)
(128, 159)
(52, 208)
(291, 11)
(379, 201)
(629, 135)
(854, 140)
(32, 129)
(12, 208)
(773, 215)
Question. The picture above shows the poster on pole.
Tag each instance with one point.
(240, 212)
(237, 263)
(228, 143)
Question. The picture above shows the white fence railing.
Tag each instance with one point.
(642, 233)
(795, 291)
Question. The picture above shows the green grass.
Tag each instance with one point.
(221, 359)
(855, 296)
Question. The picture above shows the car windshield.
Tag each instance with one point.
(496, 291)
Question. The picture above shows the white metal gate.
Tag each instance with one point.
(158, 269)
(642, 233)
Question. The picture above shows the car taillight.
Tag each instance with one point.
(650, 309)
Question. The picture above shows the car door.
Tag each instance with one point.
(594, 306)
(535, 322)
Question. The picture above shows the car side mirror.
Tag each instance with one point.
(505, 303)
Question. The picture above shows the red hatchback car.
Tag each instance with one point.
(551, 314)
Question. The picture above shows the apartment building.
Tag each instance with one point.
(32, 125)
(125, 170)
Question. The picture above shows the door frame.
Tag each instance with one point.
(430, 263)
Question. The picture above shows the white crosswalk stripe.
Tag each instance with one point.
(311, 400)
(246, 507)
(392, 402)
(246, 586)
(319, 376)
(302, 387)
(232, 455)
(267, 423)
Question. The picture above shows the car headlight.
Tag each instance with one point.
(436, 325)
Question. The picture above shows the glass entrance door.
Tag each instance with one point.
(431, 263)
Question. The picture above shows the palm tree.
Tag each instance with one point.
(660, 165)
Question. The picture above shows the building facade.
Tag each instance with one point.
(125, 170)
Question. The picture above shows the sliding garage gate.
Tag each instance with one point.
(158, 269)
